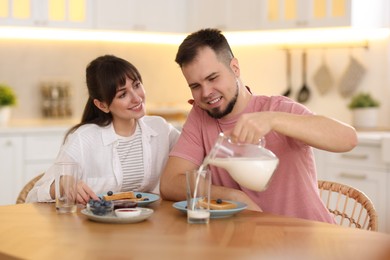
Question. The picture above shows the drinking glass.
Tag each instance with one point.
(198, 196)
(67, 175)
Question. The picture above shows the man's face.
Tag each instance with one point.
(213, 85)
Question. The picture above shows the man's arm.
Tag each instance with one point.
(318, 131)
(173, 184)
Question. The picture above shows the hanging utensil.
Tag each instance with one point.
(288, 72)
(304, 92)
(323, 78)
(352, 77)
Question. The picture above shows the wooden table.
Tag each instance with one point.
(36, 231)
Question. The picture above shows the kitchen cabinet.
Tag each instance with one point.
(11, 151)
(226, 15)
(146, 15)
(46, 13)
(24, 154)
(364, 169)
(36, 161)
(293, 14)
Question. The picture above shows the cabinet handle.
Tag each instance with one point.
(355, 156)
(353, 176)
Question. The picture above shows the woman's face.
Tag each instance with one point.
(129, 101)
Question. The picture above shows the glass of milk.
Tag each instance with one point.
(198, 183)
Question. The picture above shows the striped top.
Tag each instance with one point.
(131, 158)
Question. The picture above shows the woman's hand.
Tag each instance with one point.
(84, 193)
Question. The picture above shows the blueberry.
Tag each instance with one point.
(109, 193)
(139, 196)
(146, 199)
(219, 201)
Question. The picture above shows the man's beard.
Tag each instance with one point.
(217, 113)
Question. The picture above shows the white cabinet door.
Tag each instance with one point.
(226, 15)
(372, 183)
(11, 164)
(33, 169)
(361, 168)
(290, 14)
(40, 151)
(43, 146)
(243, 15)
(16, 13)
(146, 15)
(46, 13)
(118, 16)
(65, 13)
(36, 159)
(205, 14)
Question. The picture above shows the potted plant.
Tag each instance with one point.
(7, 100)
(365, 110)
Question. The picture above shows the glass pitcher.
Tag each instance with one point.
(251, 166)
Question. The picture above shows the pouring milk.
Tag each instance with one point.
(251, 166)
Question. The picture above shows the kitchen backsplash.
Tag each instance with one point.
(26, 64)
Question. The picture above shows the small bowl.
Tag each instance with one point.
(100, 208)
(121, 204)
(127, 212)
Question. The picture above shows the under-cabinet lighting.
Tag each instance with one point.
(273, 37)
(328, 36)
(88, 35)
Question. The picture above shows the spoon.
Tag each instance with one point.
(288, 71)
(304, 92)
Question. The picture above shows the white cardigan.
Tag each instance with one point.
(94, 148)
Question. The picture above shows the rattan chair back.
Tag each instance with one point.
(23, 193)
(350, 206)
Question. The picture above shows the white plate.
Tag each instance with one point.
(152, 198)
(182, 206)
(112, 218)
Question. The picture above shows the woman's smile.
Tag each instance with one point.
(137, 107)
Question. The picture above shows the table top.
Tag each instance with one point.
(36, 231)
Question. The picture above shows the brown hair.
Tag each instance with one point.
(104, 75)
(212, 38)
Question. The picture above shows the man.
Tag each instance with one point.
(222, 103)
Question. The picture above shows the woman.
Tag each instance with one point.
(117, 147)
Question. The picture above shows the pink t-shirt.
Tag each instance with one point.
(293, 189)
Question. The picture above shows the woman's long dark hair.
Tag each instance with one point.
(104, 76)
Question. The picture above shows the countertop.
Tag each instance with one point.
(42, 125)
(37, 125)
(365, 136)
(373, 137)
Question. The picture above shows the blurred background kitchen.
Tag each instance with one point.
(45, 46)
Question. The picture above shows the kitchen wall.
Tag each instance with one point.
(25, 64)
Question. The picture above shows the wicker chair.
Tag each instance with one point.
(23, 193)
(350, 206)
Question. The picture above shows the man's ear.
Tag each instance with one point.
(101, 105)
(235, 67)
